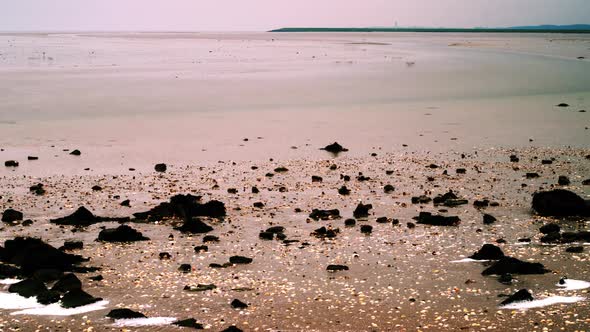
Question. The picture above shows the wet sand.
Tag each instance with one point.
(400, 278)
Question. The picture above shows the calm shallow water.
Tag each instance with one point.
(129, 100)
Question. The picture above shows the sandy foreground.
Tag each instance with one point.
(212, 106)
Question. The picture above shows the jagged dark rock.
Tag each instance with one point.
(344, 191)
(439, 199)
(78, 298)
(315, 178)
(334, 148)
(488, 219)
(427, 218)
(194, 226)
(48, 297)
(560, 203)
(362, 210)
(317, 214)
(67, 283)
(11, 215)
(83, 217)
(9, 271)
(37, 189)
(72, 245)
(552, 237)
(190, 322)
(563, 180)
(28, 288)
(520, 296)
(237, 304)
(488, 252)
(182, 207)
(514, 266)
(325, 233)
(421, 199)
(124, 313)
(76, 152)
(366, 229)
(123, 233)
(33, 254)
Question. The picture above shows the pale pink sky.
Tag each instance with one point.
(260, 15)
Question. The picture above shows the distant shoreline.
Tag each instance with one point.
(438, 30)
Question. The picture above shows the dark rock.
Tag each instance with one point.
(76, 152)
(258, 205)
(315, 178)
(411, 225)
(362, 210)
(160, 168)
(514, 266)
(190, 322)
(525, 240)
(488, 252)
(276, 229)
(586, 182)
(27, 222)
(77, 298)
(520, 296)
(11, 163)
(382, 220)
(232, 328)
(559, 203)
(546, 162)
(334, 148)
(48, 297)
(388, 189)
(67, 283)
(194, 226)
(281, 169)
(83, 217)
(9, 271)
(440, 199)
(72, 245)
(421, 200)
(164, 255)
(126, 203)
(47, 275)
(324, 232)
(481, 203)
(562, 105)
(237, 304)
(11, 215)
(582, 236)
(266, 236)
(343, 190)
(210, 238)
(124, 314)
(185, 268)
(254, 191)
(325, 214)
(240, 260)
(550, 228)
(505, 279)
(232, 191)
(362, 178)
(552, 237)
(33, 254)
(200, 288)
(437, 220)
(336, 267)
(532, 175)
(183, 207)
(96, 188)
(455, 202)
(514, 158)
(563, 181)
(575, 250)
(201, 248)
(461, 170)
(220, 266)
(37, 189)
(488, 219)
(366, 229)
(122, 233)
(97, 278)
(349, 222)
(32, 158)
(28, 288)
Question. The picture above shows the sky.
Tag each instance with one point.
(262, 15)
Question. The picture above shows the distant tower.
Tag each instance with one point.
(396, 24)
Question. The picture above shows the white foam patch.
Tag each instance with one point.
(9, 281)
(55, 309)
(543, 302)
(468, 260)
(571, 284)
(151, 321)
(14, 301)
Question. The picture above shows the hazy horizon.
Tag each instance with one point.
(264, 15)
